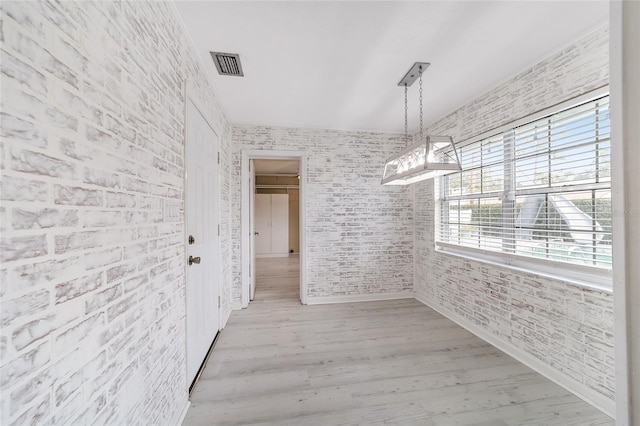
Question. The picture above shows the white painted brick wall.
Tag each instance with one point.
(91, 282)
(359, 233)
(92, 278)
(567, 327)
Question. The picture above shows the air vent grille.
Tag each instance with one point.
(227, 63)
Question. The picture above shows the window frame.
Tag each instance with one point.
(583, 275)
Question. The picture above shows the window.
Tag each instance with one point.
(540, 190)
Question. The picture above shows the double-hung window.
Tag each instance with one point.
(535, 194)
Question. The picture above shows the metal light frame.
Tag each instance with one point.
(431, 156)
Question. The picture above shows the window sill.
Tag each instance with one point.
(576, 275)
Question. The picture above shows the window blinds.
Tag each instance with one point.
(540, 190)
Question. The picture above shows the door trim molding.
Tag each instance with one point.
(245, 255)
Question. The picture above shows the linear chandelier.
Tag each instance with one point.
(430, 156)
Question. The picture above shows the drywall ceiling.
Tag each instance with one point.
(276, 167)
(336, 65)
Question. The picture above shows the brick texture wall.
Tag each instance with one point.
(359, 234)
(92, 278)
(567, 327)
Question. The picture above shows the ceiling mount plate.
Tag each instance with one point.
(413, 73)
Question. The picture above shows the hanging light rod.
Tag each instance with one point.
(414, 72)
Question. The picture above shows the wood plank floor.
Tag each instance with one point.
(389, 362)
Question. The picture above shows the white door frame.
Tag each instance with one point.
(252, 223)
(247, 155)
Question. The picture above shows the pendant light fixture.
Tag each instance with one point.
(430, 156)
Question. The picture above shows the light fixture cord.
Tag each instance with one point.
(420, 77)
(406, 113)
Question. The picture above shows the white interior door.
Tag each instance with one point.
(202, 195)
(280, 224)
(252, 236)
(263, 224)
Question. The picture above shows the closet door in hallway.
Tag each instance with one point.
(272, 225)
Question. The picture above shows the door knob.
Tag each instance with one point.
(256, 233)
(193, 260)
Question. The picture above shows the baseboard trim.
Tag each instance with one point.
(359, 298)
(265, 256)
(593, 398)
(225, 318)
(235, 306)
(183, 414)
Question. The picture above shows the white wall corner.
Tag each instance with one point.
(225, 317)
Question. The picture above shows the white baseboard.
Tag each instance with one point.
(264, 256)
(359, 298)
(183, 414)
(592, 397)
(225, 318)
(235, 306)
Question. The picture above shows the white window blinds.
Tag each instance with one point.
(540, 190)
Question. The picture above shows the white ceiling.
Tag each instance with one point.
(336, 65)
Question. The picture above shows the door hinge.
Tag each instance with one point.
(218, 230)
(219, 302)
(218, 157)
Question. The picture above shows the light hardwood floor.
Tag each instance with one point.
(390, 362)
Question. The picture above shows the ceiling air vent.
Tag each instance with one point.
(227, 63)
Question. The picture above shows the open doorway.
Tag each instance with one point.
(276, 226)
(273, 223)
(276, 208)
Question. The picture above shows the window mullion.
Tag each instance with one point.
(597, 143)
(594, 227)
(508, 197)
(549, 155)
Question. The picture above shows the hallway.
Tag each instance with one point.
(397, 361)
(277, 280)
